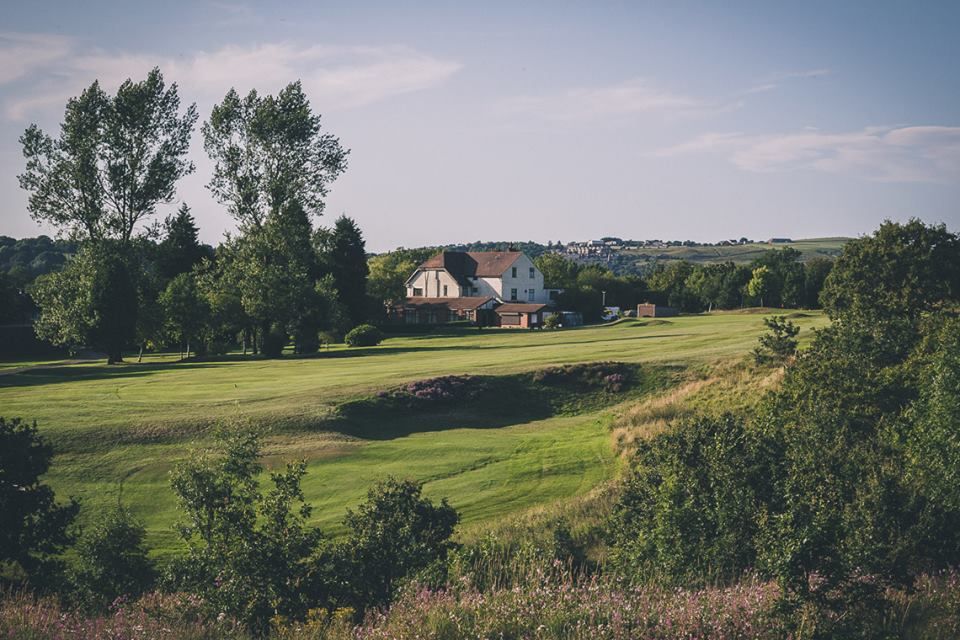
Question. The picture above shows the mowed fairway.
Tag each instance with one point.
(131, 423)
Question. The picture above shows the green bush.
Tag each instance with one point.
(364, 335)
(274, 341)
(111, 561)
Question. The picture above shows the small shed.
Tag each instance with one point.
(649, 310)
(521, 315)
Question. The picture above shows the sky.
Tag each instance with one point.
(544, 121)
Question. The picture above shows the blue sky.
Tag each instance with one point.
(545, 121)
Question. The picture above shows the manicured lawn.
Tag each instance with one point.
(129, 424)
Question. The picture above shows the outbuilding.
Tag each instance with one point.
(521, 315)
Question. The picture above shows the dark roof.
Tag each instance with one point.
(454, 304)
(517, 307)
(473, 264)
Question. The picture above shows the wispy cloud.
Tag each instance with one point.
(774, 80)
(628, 98)
(887, 154)
(23, 53)
(334, 77)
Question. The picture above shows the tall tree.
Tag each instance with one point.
(180, 250)
(93, 301)
(344, 254)
(272, 168)
(268, 151)
(115, 160)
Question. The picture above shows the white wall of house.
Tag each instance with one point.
(431, 283)
(527, 278)
(528, 282)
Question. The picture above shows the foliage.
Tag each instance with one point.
(365, 335)
(388, 273)
(609, 376)
(761, 283)
(34, 528)
(93, 301)
(249, 551)
(180, 250)
(343, 255)
(111, 561)
(184, 309)
(693, 502)
(901, 271)
(117, 157)
(779, 343)
(270, 153)
(393, 535)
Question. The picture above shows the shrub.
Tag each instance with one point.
(33, 527)
(609, 376)
(779, 343)
(111, 561)
(394, 534)
(364, 335)
(274, 341)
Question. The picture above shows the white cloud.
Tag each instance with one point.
(22, 53)
(888, 154)
(333, 77)
(632, 97)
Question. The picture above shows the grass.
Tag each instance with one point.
(122, 428)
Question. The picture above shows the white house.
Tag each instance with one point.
(507, 276)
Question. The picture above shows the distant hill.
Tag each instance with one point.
(741, 253)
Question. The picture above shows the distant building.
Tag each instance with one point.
(519, 315)
(500, 288)
(779, 240)
(649, 310)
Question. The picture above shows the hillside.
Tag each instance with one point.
(517, 446)
(809, 248)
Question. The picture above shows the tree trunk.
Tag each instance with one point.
(140, 355)
(244, 339)
(188, 347)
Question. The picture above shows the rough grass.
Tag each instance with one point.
(123, 428)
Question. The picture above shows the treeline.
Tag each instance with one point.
(130, 283)
(843, 486)
(21, 262)
(776, 279)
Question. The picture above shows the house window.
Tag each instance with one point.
(417, 292)
(533, 273)
(444, 291)
(531, 295)
(513, 294)
(513, 272)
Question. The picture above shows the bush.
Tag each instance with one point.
(609, 376)
(274, 341)
(395, 534)
(111, 561)
(364, 335)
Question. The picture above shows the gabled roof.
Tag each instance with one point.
(473, 264)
